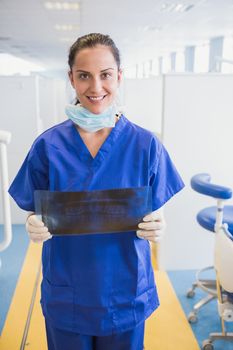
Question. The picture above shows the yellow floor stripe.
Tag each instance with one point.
(36, 339)
(154, 255)
(13, 330)
(166, 329)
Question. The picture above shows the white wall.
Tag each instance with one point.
(19, 116)
(142, 101)
(28, 105)
(51, 101)
(197, 131)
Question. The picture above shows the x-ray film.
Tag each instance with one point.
(85, 212)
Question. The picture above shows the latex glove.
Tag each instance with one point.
(36, 229)
(152, 227)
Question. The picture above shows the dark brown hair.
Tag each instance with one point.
(92, 40)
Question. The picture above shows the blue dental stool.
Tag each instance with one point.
(209, 218)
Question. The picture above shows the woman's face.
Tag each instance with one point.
(95, 78)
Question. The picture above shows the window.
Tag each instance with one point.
(10, 65)
(146, 69)
(180, 61)
(227, 67)
(139, 70)
(155, 67)
(166, 64)
(201, 59)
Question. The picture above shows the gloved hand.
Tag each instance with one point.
(36, 229)
(152, 227)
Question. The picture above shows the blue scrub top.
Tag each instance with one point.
(97, 284)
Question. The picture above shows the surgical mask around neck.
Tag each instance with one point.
(89, 121)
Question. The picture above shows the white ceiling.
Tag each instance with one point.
(140, 29)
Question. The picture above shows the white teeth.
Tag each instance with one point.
(95, 98)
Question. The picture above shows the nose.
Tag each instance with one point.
(96, 85)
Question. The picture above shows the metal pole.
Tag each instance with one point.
(5, 138)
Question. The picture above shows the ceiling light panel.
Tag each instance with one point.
(59, 5)
(176, 7)
(66, 27)
(151, 28)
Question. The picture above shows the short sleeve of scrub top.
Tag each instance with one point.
(31, 176)
(164, 178)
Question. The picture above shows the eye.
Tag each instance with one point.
(106, 75)
(83, 76)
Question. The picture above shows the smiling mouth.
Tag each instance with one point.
(96, 98)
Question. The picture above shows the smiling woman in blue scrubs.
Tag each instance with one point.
(97, 290)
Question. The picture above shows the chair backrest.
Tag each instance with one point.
(224, 258)
(201, 183)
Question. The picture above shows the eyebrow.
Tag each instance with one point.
(84, 71)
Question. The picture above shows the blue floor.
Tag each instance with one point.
(11, 263)
(208, 319)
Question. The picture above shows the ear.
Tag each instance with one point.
(120, 76)
(70, 74)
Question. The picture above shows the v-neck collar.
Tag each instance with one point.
(83, 152)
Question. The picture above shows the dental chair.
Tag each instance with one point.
(223, 265)
(211, 219)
